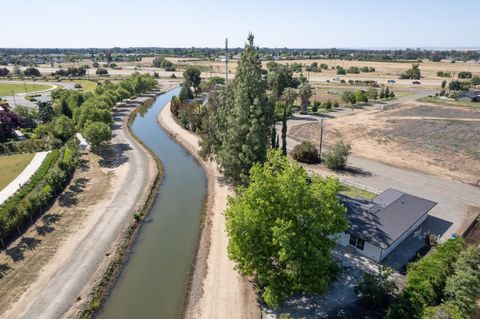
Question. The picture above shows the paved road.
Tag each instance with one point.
(44, 95)
(456, 200)
(58, 287)
(23, 177)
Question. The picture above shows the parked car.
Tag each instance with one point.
(416, 82)
(391, 81)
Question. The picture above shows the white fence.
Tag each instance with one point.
(357, 185)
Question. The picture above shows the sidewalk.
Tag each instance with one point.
(23, 177)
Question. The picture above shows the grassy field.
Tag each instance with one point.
(6, 88)
(436, 100)
(355, 192)
(11, 166)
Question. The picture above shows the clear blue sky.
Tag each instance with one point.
(200, 23)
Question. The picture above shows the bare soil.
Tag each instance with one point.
(22, 261)
(440, 140)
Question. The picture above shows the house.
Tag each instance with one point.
(377, 227)
(469, 96)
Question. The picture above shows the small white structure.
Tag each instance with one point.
(83, 146)
(376, 228)
(19, 135)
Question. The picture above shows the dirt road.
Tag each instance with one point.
(65, 281)
(217, 290)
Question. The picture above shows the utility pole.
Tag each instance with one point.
(321, 139)
(226, 61)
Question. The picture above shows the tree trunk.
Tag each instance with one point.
(284, 132)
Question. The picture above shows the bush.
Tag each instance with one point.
(463, 287)
(337, 157)
(425, 281)
(101, 71)
(315, 106)
(464, 75)
(78, 86)
(43, 185)
(305, 152)
(377, 290)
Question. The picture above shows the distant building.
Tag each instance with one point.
(376, 228)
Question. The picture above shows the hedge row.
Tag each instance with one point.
(27, 146)
(30, 199)
(426, 280)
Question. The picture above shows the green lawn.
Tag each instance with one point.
(86, 84)
(6, 88)
(436, 100)
(355, 192)
(11, 166)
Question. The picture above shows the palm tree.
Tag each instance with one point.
(305, 92)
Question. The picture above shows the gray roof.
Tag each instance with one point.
(385, 219)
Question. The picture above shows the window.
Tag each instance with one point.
(357, 242)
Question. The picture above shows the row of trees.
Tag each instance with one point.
(354, 69)
(87, 112)
(361, 96)
(161, 62)
(71, 71)
(44, 185)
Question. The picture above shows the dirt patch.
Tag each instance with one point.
(435, 111)
(22, 261)
(442, 141)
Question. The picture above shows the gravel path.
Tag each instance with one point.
(217, 289)
(68, 277)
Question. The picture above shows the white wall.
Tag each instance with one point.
(369, 250)
(405, 235)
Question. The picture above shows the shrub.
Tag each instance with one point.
(337, 157)
(425, 281)
(34, 195)
(463, 287)
(464, 75)
(377, 290)
(328, 104)
(315, 106)
(78, 86)
(305, 152)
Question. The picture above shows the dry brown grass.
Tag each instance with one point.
(22, 261)
(442, 141)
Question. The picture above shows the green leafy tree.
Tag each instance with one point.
(413, 73)
(281, 229)
(372, 93)
(425, 281)
(337, 157)
(64, 128)
(185, 92)
(464, 75)
(45, 111)
(463, 287)
(443, 311)
(97, 134)
(349, 97)
(31, 72)
(361, 96)
(377, 290)
(192, 76)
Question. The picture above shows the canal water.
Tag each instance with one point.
(153, 283)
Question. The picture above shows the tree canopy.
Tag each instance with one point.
(241, 119)
(282, 228)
